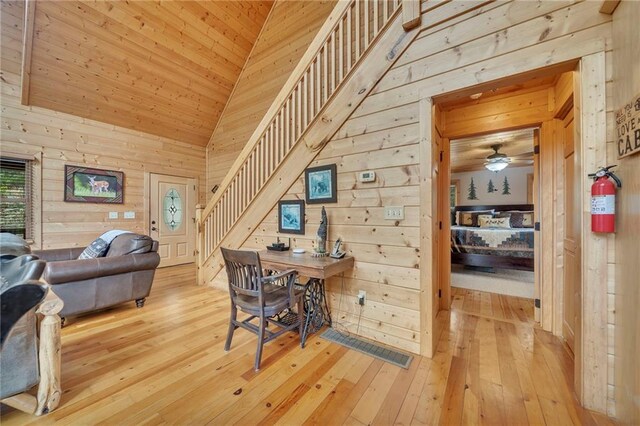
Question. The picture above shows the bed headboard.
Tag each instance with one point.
(501, 208)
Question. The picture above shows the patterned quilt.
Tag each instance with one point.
(515, 242)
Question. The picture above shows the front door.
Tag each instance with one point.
(172, 217)
(572, 315)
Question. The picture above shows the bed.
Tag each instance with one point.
(489, 247)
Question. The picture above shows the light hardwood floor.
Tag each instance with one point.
(165, 364)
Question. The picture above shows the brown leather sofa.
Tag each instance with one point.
(85, 285)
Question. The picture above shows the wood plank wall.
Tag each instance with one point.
(67, 139)
(626, 289)
(382, 135)
(286, 34)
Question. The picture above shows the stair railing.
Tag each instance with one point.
(349, 31)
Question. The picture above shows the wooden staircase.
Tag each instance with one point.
(356, 46)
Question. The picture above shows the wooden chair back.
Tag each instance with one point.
(244, 271)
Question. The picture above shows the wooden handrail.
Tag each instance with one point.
(344, 39)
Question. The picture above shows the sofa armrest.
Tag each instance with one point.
(55, 255)
(83, 269)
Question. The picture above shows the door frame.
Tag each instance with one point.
(147, 202)
(591, 124)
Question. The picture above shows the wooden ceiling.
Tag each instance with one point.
(161, 67)
(470, 154)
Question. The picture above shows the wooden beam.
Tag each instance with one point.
(609, 6)
(410, 14)
(27, 44)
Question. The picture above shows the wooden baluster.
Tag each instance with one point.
(263, 160)
(375, 18)
(357, 29)
(325, 74)
(318, 85)
(349, 44)
(305, 101)
(299, 110)
(287, 128)
(312, 90)
(332, 63)
(341, 50)
(366, 25)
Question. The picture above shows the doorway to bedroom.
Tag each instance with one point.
(505, 180)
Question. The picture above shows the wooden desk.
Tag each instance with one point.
(317, 269)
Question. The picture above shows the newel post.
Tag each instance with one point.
(200, 243)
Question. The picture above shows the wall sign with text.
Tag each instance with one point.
(628, 128)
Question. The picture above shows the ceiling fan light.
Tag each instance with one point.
(496, 166)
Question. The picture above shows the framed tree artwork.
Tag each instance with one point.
(321, 184)
(84, 185)
(291, 217)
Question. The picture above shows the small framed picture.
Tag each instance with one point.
(291, 217)
(321, 184)
(84, 185)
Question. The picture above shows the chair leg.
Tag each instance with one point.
(232, 326)
(262, 325)
(301, 321)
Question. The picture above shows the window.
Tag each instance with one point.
(16, 189)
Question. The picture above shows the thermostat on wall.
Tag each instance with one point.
(368, 176)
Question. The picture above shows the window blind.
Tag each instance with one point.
(16, 191)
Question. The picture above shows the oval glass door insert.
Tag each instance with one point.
(172, 209)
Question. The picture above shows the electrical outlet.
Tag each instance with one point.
(394, 212)
(362, 297)
(113, 215)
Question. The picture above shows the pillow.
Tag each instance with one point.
(521, 219)
(494, 222)
(98, 248)
(130, 243)
(471, 218)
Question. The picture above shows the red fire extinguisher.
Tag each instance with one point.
(603, 200)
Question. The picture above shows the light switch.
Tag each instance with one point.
(113, 215)
(394, 212)
(129, 215)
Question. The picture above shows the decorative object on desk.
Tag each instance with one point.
(336, 253)
(321, 184)
(278, 246)
(291, 217)
(298, 251)
(320, 250)
(84, 185)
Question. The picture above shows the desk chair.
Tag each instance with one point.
(262, 297)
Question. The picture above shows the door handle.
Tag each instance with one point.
(153, 228)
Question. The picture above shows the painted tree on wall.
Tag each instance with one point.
(472, 191)
(490, 187)
(506, 189)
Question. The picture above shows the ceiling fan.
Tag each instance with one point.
(497, 161)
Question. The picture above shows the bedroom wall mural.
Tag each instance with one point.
(508, 186)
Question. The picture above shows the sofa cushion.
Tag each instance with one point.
(97, 248)
(130, 244)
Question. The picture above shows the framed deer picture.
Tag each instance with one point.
(83, 185)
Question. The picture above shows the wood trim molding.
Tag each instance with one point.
(411, 17)
(609, 6)
(593, 152)
(27, 46)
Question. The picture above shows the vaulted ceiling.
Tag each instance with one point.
(161, 67)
